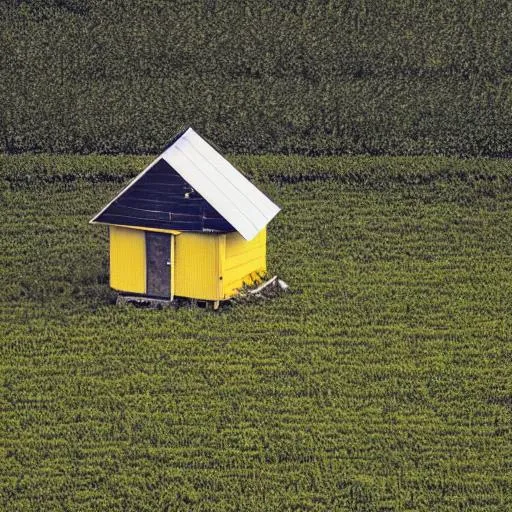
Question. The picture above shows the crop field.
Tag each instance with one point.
(382, 382)
(310, 77)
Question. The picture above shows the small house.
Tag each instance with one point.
(189, 225)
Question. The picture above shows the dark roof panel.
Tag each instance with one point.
(162, 199)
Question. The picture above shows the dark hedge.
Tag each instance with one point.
(311, 77)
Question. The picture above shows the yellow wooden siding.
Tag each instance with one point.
(199, 261)
(243, 261)
(127, 260)
(197, 266)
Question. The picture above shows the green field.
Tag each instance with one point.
(382, 382)
(274, 76)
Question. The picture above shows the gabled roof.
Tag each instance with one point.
(191, 187)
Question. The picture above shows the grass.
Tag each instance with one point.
(311, 77)
(382, 383)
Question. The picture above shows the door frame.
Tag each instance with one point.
(171, 270)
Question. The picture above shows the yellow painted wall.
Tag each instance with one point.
(205, 266)
(197, 266)
(242, 261)
(127, 260)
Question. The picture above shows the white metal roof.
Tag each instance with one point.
(245, 207)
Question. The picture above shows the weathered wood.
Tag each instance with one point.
(282, 285)
(158, 263)
(156, 303)
(263, 286)
(149, 302)
(267, 290)
(208, 304)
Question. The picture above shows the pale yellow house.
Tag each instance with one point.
(189, 225)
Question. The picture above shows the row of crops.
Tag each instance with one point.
(312, 77)
(382, 382)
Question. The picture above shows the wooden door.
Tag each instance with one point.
(158, 264)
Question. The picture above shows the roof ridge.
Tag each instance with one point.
(176, 136)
